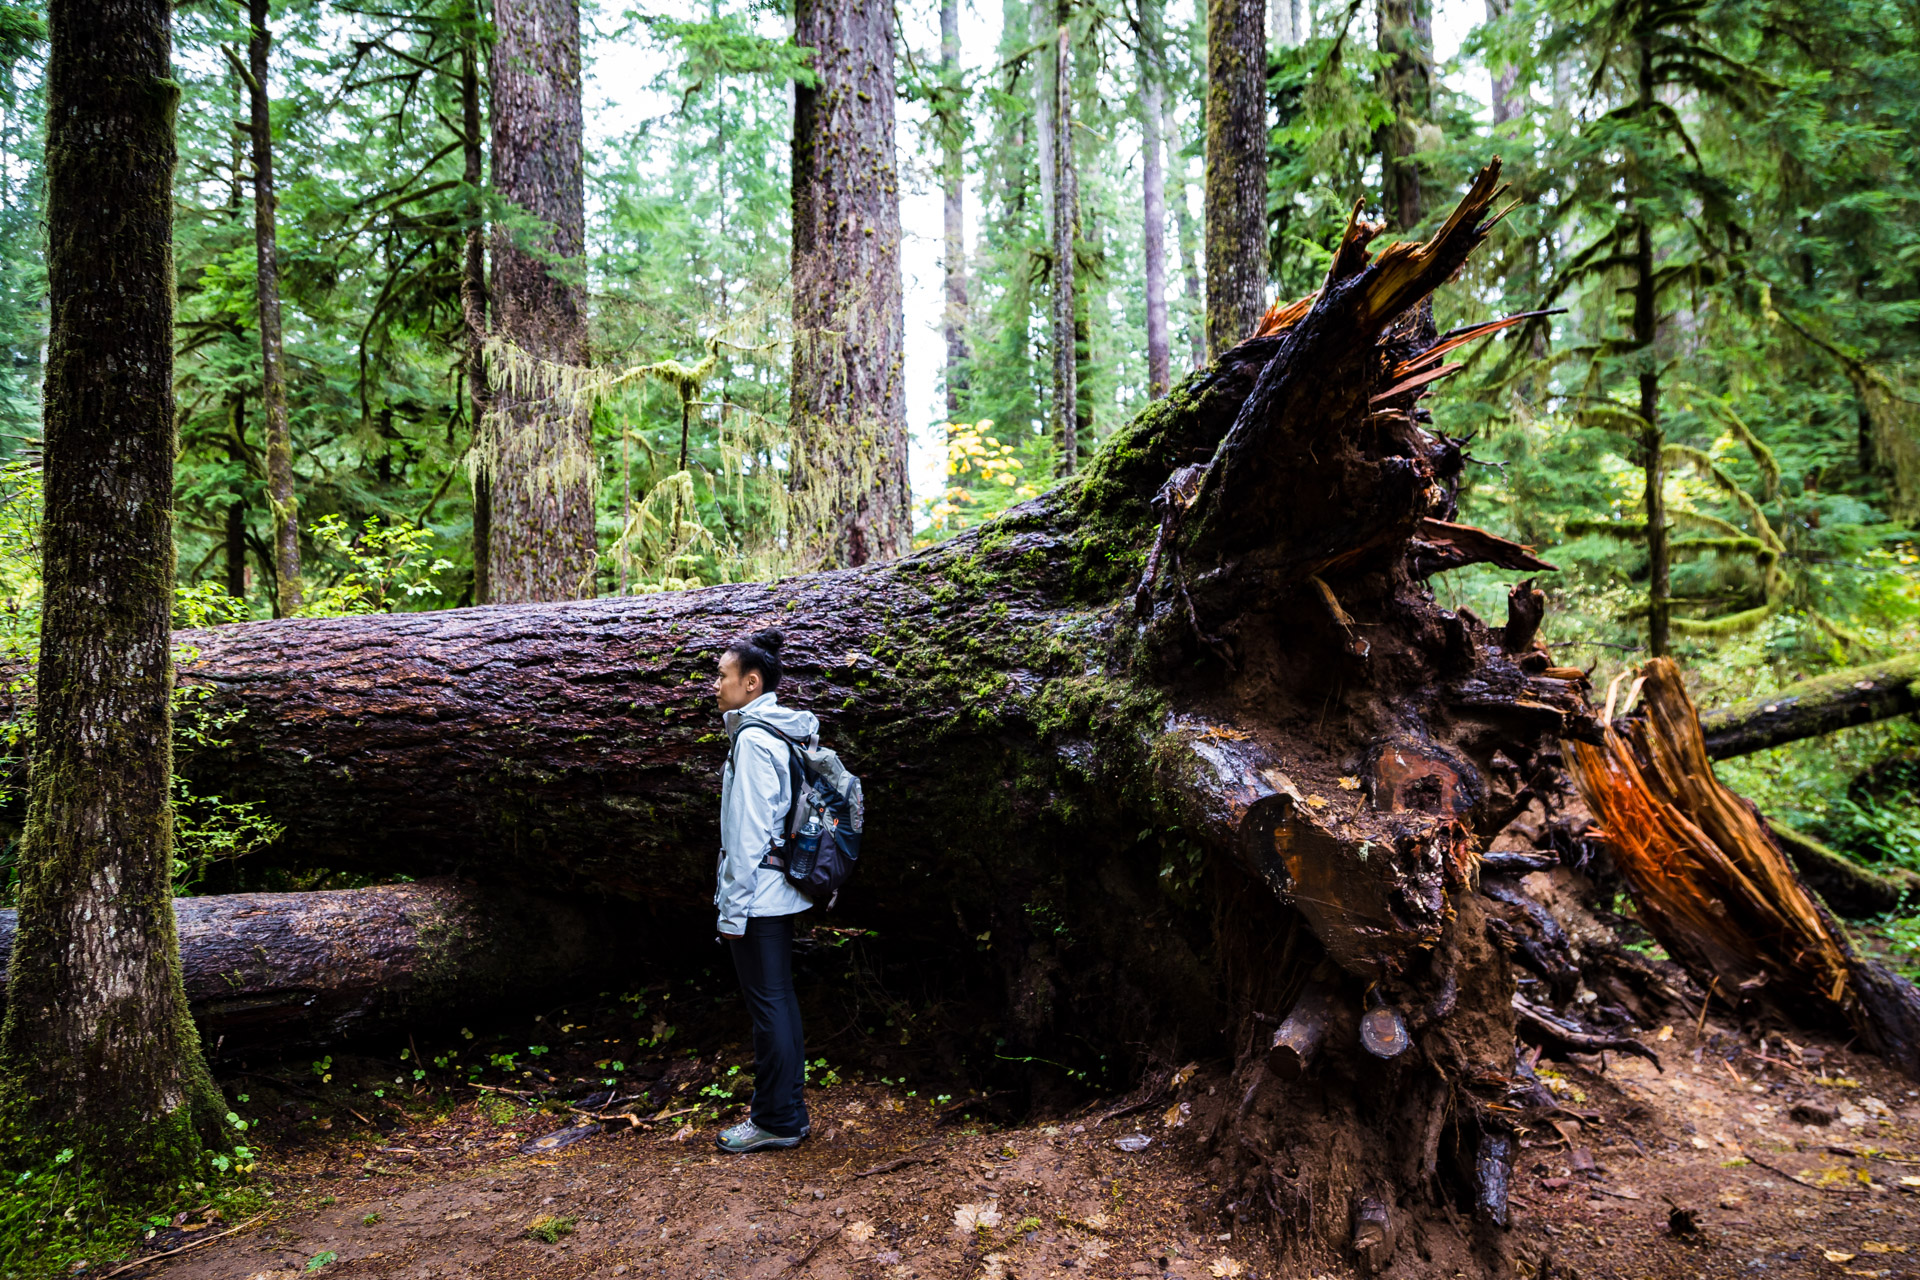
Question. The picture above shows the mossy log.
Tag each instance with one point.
(1847, 887)
(1825, 704)
(291, 969)
(1143, 753)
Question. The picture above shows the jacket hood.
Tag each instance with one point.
(766, 708)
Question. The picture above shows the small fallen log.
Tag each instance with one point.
(318, 968)
(1848, 888)
(1713, 884)
(1840, 700)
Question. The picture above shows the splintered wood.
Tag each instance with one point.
(1711, 882)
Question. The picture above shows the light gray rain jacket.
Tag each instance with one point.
(756, 795)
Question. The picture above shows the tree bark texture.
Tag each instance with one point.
(537, 452)
(1406, 86)
(293, 969)
(1824, 704)
(1064, 226)
(98, 1051)
(1236, 203)
(473, 290)
(953, 182)
(1222, 674)
(851, 499)
(1153, 191)
(281, 498)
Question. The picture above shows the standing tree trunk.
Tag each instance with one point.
(851, 499)
(1653, 438)
(1406, 86)
(1153, 191)
(1236, 170)
(1504, 74)
(1065, 412)
(237, 509)
(1041, 24)
(473, 293)
(537, 443)
(281, 499)
(1653, 445)
(98, 1052)
(953, 178)
(1195, 308)
(1285, 17)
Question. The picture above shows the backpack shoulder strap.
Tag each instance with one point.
(796, 764)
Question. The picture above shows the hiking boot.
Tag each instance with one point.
(748, 1136)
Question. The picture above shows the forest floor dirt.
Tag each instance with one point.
(1794, 1159)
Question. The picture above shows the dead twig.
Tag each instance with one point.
(155, 1257)
(901, 1163)
(815, 1247)
(1811, 1186)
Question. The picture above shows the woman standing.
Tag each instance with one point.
(756, 901)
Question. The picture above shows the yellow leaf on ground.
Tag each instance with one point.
(1834, 1255)
(1349, 784)
(1877, 1246)
(859, 1232)
(1225, 1267)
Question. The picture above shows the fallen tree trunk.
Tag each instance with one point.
(1146, 751)
(1825, 704)
(292, 969)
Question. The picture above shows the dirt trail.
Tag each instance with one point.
(885, 1191)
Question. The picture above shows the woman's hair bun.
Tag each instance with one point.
(768, 640)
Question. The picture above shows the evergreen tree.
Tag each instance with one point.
(98, 1054)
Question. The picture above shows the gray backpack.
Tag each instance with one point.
(824, 825)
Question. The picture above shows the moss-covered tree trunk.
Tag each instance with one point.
(851, 500)
(98, 1051)
(281, 498)
(1406, 87)
(1149, 752)
(1236, 192)
(536, 455)
(473, 286)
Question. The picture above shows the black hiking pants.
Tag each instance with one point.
(763, 957)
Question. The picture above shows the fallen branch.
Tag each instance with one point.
(815, 1247)
(155, 1257)
(901, 1163)
(1750, 1158)
(1578, 1038)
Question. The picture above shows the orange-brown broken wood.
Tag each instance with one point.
(1712, 883)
